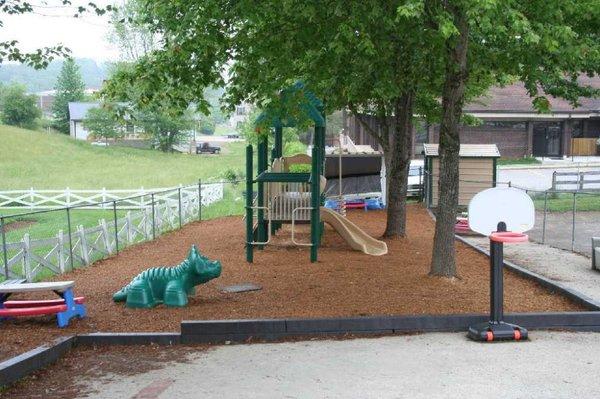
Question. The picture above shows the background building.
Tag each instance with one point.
(510, 121)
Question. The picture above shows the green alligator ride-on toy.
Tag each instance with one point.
(169, 285)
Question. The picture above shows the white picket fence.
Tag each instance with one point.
(29, 257)
(89, 199)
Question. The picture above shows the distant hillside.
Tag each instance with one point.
(56, 161)
(93, 74)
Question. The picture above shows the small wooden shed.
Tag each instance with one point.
(477, 171)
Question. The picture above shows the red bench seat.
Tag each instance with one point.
(31, 304)
(33, 311)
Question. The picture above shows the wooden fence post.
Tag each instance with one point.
(147, 224)
(26, 241)
(105, 237)
(85, 256)
(61, 251)
(129, 228)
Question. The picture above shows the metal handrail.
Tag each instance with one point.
(310, 208)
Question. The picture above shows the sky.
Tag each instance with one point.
(52, 24)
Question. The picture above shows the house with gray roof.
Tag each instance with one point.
(77, 113)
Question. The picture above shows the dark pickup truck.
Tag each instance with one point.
(206, 148)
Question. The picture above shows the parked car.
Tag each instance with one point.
(233, 136)
(206, 148)
(416, 173)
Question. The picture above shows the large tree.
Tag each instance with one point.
(546, 44)
(130, 33)
(364, 55)
(389, 59)
(69, 88)
(10, 49)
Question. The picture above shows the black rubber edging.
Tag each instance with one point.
(570, 293)
(128, 339)
(19, 366)
(218, 331)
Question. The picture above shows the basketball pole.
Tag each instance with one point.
(496, 329)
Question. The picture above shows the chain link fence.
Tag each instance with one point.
(565, 219)
(36, 244)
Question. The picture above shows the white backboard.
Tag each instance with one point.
(501, 204)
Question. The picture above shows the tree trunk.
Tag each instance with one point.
(397, 158)
(443, 262)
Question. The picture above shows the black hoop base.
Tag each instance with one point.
(497, 331)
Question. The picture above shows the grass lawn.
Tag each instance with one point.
(54, 161)
(224, 129)
(518, 161)
(564, 202)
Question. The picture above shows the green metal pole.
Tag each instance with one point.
(278, 146)
(262, 153)
(315, 194)
(249, 215)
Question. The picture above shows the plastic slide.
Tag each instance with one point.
(357, 238)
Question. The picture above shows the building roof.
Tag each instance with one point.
(514, 98)
(77, 111)
(466, 150)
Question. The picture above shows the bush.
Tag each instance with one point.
(294, 147)
(207, 127)
(233, 176)
(300, 168)
(17, 108)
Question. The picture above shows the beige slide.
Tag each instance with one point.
(357, 238)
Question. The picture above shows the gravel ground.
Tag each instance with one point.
(551, 365)
(571, 269)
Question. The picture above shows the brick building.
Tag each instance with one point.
(510, 121)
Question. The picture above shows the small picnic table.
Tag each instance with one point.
(65, 308)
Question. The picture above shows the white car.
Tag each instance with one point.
(416, 176)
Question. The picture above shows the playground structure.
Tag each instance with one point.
(283, 196)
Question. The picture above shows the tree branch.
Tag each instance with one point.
(372, 132)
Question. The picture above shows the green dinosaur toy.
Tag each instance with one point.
(169, 285)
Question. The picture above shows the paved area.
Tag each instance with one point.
(539, 179)
(571, 269)
(551, 365)
(559, 230)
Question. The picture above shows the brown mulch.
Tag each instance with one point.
(21, 224)
(342, 283)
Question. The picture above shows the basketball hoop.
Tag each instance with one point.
(508, 237)
(492, 212)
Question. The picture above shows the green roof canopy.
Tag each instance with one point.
(293, 100)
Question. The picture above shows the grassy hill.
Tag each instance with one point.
(54, 161)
